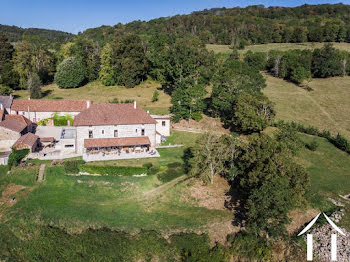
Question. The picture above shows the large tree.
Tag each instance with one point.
(70, 73)
(270, 184)
(213, 154)
(233, 78)
(7, 75)
(326, 62)
(124, 61)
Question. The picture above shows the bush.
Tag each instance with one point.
(70, 73)
(155, 97)
(174, 170)
(113, 170)
(5, 90)
(16, 157)
(313, 145)
(72, 167)
(147, 165)
(249, 247)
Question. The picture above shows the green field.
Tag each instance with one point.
(275, 46)
(329, 170)
(99, 93)
(326, 106)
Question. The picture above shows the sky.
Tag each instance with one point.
(77, 15)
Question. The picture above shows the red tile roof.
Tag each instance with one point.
(38, 105)
(15, 123)
(26, 141)
(19, 118)
(123, 141)
(113, 114)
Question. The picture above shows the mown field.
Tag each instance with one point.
(275, 46)
(99, 93)
(326, 106)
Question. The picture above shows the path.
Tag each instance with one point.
(158, 190)
(41, 173)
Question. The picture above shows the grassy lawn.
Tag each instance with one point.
(275, 46)
(326, 107)
(329, 170)
(98, 93)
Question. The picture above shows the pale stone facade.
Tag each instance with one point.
(115, 131)
(7, 138)
(163, 124)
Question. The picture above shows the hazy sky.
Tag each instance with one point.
(78, 15)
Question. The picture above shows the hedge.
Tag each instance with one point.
(338, 141)
(113, 170)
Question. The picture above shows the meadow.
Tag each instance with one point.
(275, 46)
(326, 106)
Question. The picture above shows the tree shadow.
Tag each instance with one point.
(235, 203)
(46, 93)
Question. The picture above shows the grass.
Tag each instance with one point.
(78, 203)
(98, 93)
(326, 107)
(275, 46)
(329, 170)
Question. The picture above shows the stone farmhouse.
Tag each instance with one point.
(99, 132)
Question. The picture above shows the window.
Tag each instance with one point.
(91, 135)
(68, 146)
(142, 132)
(136, 130)
(103, 132)
(163, 123)
(115, 133)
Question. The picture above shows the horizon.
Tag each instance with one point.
(81, 15)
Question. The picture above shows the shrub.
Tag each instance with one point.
(313, 145)
(71, 167)
(147, 165)
(155, 96)
(16, 157)
(249, 247)
(5, 90)
(70, 73)
(174, 170)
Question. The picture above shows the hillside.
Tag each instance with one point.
(15, 33)
(241, 26)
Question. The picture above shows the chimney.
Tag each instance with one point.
(11, 96)
(88, 103)
(1, 107)
(28, 98)
(135, 104)
(147, 111)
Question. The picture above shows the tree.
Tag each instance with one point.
(213, 155)
(270, 184)
(6, 51)
(32, 56)
(124, 62)
(186, 63)
(326, 62)
(251, 113)
(5, 90)
(107, 74)
(70, 73)
(155, 96)
(231, 79)
(34, 86)
(257, 60)
(188, 103)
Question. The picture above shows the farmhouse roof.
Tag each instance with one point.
(15, 123)
(161, 116)
(123, 141)
(36, 105)
(28, 139)
(6, 101)
(113, 114)
(19, 118)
